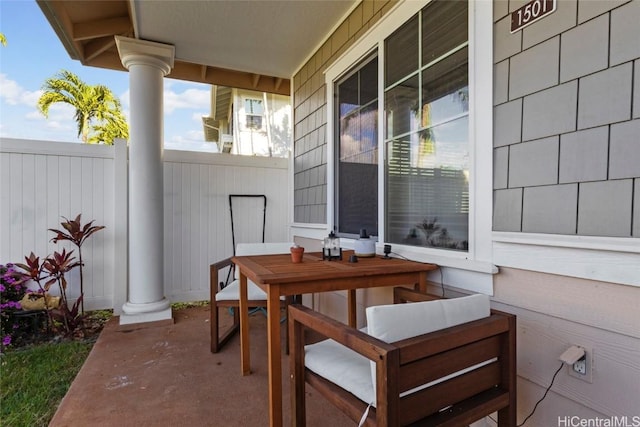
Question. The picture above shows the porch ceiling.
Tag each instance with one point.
(255, 44)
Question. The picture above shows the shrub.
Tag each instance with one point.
(53, 269)
(12, 289)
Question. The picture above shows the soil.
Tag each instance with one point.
(39, 331)
(89, 331)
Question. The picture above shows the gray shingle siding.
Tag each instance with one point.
(575, 168)
(583, 155)
(507, 210)
(567, 104)
(310, 113)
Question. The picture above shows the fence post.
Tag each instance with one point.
(120, 220)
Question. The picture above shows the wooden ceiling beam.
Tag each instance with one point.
(101, 28)
(109, 60)
(230, 78)
(255, 79)
(97, 47)
(102, 56)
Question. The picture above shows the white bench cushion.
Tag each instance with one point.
(391, 323)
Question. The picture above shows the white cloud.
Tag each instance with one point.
(197, 117)
(190, 99)
(193, 99)
(124, 99)
(27, 121)
(191, 142)
(60, 118)
(14, 94)
(191, 136)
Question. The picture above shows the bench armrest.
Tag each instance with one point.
(366, 345)
(213, 273)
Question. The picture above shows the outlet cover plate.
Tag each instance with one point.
(588, 376)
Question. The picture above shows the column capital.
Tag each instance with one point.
(144, 52)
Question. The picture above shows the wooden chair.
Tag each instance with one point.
(227, 296)
(453, 363)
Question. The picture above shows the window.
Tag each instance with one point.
(356, 154)
(435, 133)
(425, 92)
(426, 101)
(253, 113)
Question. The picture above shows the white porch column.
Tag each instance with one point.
(148, 63)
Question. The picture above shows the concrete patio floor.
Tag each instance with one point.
(166, 376)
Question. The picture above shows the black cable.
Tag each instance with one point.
(554, 375)
(402, 256)
(543, 396)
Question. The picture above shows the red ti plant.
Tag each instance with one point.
(34, 271)
(57, 266)
(77, 233)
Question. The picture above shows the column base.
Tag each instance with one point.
(147, 312)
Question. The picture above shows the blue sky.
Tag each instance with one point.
(34, 53)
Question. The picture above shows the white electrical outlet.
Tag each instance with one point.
(583, 368)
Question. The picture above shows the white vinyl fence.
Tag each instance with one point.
(43, 181)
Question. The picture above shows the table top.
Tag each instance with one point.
(278, 269)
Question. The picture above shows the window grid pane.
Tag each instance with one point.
(427, 188)
(253, 113)
(401, 52)
(357, 152)
(401, 107)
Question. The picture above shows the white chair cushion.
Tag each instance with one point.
(341, 366)
(391, 323)
(395, 322)
(232, 292)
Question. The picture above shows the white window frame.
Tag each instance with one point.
(247, 113)
(471, 270)
(608, 259)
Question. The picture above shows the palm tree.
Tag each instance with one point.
(98, 112)
(109, 131)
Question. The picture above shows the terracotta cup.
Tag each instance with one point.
(296, 254)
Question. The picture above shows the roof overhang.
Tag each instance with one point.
(256, 45)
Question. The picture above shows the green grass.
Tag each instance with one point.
(34, 380)
(183, 305)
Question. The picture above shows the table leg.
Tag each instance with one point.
(422, 285)
(351, 302)
(245, 357)
(275, 356)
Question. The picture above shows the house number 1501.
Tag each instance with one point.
(530, 13)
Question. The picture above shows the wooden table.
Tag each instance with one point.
(278, 276)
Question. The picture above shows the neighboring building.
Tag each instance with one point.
(248, 122)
